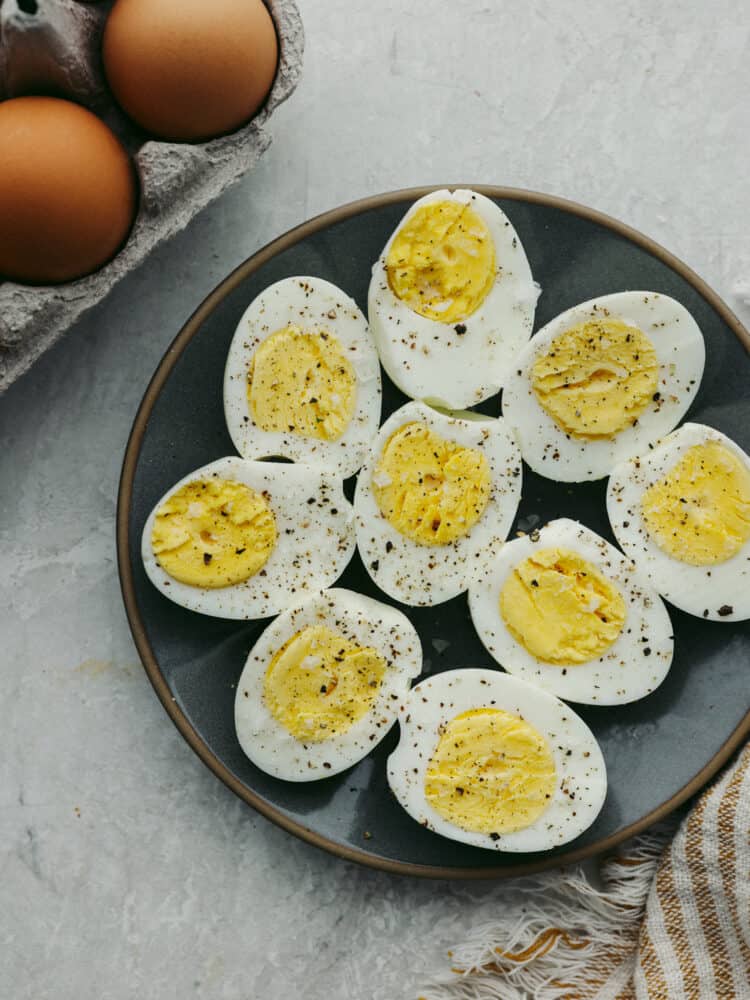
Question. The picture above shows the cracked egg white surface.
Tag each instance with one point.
(565, 610)
(601, 382)
(682, 514)
(435, 499)
(321, 686)
(242, 539)
(451, 299)
(489, 760)
(302, 378)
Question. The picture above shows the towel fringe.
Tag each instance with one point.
(561, 937)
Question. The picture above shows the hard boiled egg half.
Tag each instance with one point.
(322, 685)
(241, 539)
(489, 760)
(436, 497)
(565, 610)
(302, 379)
(682, 513)
(452, 299)
(602, 381)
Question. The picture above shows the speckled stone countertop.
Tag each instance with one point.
(128, 870)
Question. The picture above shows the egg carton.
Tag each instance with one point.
(53, 46)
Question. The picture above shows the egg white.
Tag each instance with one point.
(633, 666)
(313, 305)
(704, 591)
(581, 771)
(314, 544)
(429, 360)
(424, 575)
(363, 621)
(680, 352)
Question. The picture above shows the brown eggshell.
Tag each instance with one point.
(190, 69)
(67, 191)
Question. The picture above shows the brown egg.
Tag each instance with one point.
(190, 69)
(67, 191)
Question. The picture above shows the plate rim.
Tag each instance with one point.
(124, 497)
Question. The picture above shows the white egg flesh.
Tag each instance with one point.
(321, 687)
(565, 610)
(489, 760)
(601, 382)
(302, 378)
(452, 299)
(682, 513)
(242, 539)
(436, 497)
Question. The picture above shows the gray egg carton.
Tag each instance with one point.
(53, 46)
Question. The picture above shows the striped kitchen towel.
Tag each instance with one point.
(670, 920)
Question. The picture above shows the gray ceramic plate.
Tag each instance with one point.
(659, 751)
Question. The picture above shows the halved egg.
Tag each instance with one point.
(435, 499)
(565, 610)
(489, 760)
(302, 378)
(682, 513)
(602, 381)
(242, 539)
(321, 686)
(452, 299)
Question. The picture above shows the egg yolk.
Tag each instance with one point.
(441, 262)
(699, 512)
(302, 383)
(560, 608)
(596, 379)
(491, 772)
(213, 533)
(319, 684)
(428, 488)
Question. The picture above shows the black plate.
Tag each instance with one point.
(658, 751)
